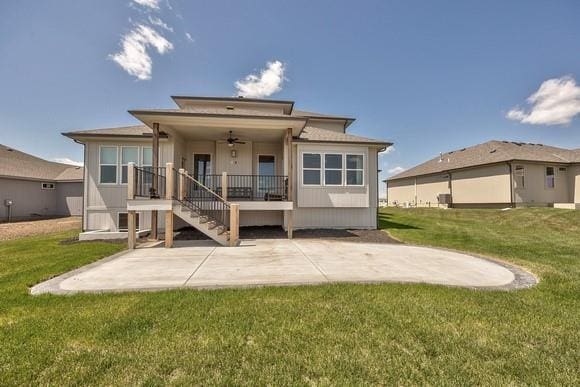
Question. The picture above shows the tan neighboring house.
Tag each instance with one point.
(492, 174)
(218, 164)
(31, 187)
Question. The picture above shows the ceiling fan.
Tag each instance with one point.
(231, 140)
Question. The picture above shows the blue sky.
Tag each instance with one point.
(429, 75)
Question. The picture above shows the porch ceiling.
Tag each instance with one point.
(210, 127)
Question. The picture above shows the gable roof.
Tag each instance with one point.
(489, 153)
(16, 164)
(122, 131)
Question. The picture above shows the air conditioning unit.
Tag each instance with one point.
(444, 198)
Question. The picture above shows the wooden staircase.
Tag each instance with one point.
(204, 224)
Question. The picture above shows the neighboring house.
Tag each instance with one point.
(492, 174)
(31, 187)
(282, 166)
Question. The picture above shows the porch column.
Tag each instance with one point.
(289, 213)
(181, 194)
(169, 213)
(234, 224)
(225, 186)
(131, 215)
(155, 182)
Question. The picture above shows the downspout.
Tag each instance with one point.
(378, 182)
(85, 192)
(450, 190)
(512, 199)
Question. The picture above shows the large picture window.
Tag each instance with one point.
(354, 169)
(129, 154)
(108, 165)
(123, 221)
(311, 168)
(332, 169)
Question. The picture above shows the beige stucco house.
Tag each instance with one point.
(492, 174)
(208, 158)
(31, 187)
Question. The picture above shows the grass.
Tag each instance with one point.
(331, 334)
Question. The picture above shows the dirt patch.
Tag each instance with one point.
(17, 230)
(275, 232)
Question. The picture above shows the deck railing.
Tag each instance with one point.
(249, 187)
(149, 182)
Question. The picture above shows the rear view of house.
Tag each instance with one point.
(31, 187)
(492, 174)
(276, 165)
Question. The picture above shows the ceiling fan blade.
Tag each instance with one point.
(240, 142)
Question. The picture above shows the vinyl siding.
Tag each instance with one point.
(535, 190)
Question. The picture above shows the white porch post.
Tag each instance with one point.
(225, 186)
(290, 171)
(131, 215)
(169, 213)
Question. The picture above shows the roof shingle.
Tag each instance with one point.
(489, 153)
(21, 165)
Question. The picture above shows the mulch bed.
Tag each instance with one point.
(276, 232)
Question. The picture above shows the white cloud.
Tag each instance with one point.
(268, 82)
(134, 57)
(66, 160)
(159, 23)
(189, 37)
(556, 102)
(153, 4)
(395, 170)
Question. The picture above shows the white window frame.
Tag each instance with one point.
(523, 175)
(141, 153)
(546, 177)
(116, 165)
(341, 169)
(45, 185)
(120, 161)
(346, 154)
(321, 154)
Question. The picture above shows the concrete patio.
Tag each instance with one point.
(204, 264)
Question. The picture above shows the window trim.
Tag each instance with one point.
(320, 169)
(121, 165)
(116, 165)
(346, 169)
(341, 169)
(523, 175)
(47, 183)
(546, 177)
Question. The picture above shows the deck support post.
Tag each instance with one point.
(131, 215)
(289, 223)
(289, 166)
(169, 213)
(234, 224)
(225, 186)
(155, 182)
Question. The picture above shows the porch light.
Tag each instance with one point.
(234, 153)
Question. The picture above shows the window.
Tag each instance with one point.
(201, 167)
(147, 158)
(311, 168)
(332, 169)
(550, 177)
(520, 176)
(108, 165)
(129, 154)
(123, 221)
(47, 185)
(354, 169)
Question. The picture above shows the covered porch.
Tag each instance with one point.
(227, 162)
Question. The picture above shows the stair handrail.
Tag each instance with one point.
(204, 187)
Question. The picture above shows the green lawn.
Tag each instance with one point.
(332, 334)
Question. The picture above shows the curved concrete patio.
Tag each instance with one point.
(203, 264)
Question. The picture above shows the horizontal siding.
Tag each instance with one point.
(341, 218)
